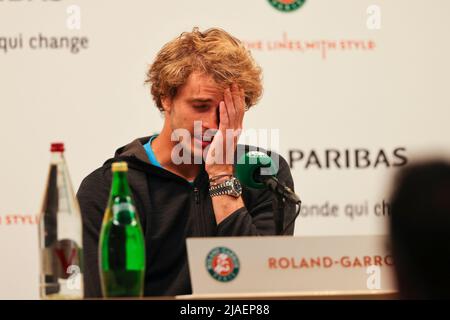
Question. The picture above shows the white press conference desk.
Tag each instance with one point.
(328, 295)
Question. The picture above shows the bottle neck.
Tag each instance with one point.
(56, 157)
(120, 185)
(122, 206)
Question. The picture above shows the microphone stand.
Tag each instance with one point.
(278, 204)
(283, 194)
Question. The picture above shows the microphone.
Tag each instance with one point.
(255, 169)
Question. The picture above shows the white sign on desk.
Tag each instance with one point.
(290, 264)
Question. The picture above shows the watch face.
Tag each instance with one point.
(237, 186)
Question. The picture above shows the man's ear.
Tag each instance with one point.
(166, 103)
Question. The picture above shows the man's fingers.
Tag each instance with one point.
(242, 110)
(229, 103)
(238, 104)
(224, 119)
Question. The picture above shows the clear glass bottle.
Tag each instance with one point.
(60, 234)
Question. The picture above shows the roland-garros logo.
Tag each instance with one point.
(287, 5)
(222, 264)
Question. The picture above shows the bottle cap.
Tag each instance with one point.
(57, 147)
(121, 166)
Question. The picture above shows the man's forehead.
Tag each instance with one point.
(202, 88)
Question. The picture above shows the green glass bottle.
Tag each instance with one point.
(122, 248)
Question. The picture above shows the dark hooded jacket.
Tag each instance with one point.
(170, 210)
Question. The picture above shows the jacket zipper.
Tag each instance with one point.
(196, 195)
(199, 210)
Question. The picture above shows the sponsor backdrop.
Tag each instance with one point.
(356, 88)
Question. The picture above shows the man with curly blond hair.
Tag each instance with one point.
(182, 179)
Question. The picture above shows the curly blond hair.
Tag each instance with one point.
(214, 52)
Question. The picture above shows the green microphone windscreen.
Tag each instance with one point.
(249, 165)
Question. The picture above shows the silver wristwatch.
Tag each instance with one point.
(231, 187)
